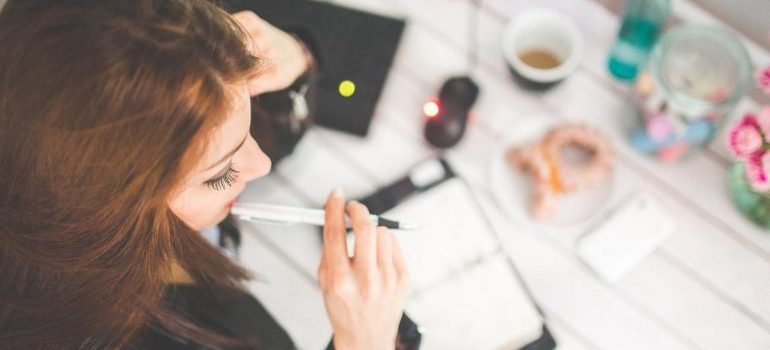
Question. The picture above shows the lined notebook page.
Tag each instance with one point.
(466, 294)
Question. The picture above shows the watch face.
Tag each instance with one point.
(299, 106)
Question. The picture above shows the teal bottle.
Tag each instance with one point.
(642, 23)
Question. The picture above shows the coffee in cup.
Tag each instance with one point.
(542, 47)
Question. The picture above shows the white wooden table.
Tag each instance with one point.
(706, 287)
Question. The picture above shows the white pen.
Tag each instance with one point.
(285, 214)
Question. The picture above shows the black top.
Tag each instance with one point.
(238, 315)
(231, 313)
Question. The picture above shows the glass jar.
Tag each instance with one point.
(694, 77)
(754, 205)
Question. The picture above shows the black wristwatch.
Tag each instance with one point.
(280, 118)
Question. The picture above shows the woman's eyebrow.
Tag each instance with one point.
(229, 153)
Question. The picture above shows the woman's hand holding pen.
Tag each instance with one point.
(285, 58)
(364, 295)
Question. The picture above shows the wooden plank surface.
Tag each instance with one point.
(704, 288)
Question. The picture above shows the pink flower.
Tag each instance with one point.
(757, 171)
(746, 137)
(763, 79)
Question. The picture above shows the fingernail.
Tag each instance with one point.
(337, 192)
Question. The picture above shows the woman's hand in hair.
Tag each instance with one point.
(364, 295)
(284, 57)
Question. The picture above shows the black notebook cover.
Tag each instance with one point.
(348, 45)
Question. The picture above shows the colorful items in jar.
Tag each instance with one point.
(666, 131)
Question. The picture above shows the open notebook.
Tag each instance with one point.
(466, 293)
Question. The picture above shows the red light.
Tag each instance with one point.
(431, 109)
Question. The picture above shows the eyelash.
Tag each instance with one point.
(225, 181)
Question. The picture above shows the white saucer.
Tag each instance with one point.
(513, 188)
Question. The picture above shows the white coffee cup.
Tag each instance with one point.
(547, 30)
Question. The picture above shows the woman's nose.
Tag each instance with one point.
(258, 164)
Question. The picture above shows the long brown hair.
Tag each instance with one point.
(104, 107)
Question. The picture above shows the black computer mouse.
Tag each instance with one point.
(447, 117)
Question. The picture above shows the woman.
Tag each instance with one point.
(123, 132)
